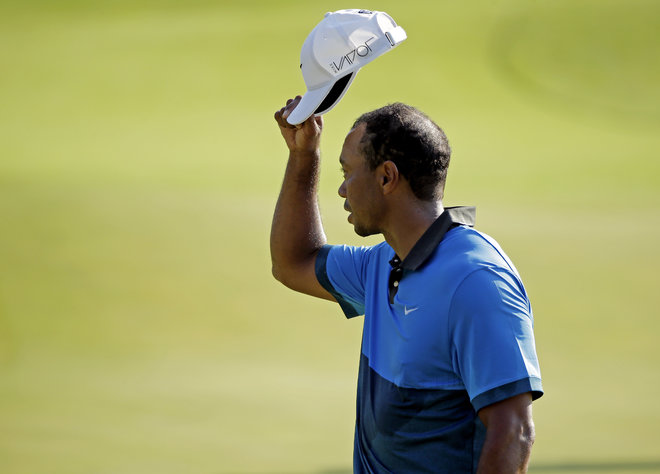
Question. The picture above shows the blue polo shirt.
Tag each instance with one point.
(447, 331)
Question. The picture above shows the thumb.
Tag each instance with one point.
(315, 123)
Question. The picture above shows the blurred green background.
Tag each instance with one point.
(140, 328)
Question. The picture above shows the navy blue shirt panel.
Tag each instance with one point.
(397, 425)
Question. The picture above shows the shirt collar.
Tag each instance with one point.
(424, 247)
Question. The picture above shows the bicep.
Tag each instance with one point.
(509, 435)
(335, 273)
(302, 278)
(513, 411)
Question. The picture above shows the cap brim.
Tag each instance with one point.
(321, 100)
(308, 104)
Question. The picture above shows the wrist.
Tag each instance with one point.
(311, 154)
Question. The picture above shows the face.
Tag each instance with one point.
(363, 198)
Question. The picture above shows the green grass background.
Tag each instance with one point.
(140, 329)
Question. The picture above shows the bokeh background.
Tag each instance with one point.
(140, 328)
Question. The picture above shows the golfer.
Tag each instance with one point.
(448, 366)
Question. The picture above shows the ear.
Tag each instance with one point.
(389, 177)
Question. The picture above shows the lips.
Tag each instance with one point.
(348, 209)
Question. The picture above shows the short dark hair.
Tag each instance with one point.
(406, 136)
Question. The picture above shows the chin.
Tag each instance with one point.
(364, 231)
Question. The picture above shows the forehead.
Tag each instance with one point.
(351, 154)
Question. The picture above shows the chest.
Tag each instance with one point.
(407, 341)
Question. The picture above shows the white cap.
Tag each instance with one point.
(342, 43)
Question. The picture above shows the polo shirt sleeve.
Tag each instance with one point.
(341, 269)
(493, 348)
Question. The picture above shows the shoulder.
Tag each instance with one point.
(486, 281)
(339, 253)
(467, 239)
(352, 262)
(471, 261)
(465, 250)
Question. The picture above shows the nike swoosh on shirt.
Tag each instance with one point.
(408, 311)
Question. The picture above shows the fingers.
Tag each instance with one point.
(280, 120)
(290, 105)
(313, 124)
(282, 114)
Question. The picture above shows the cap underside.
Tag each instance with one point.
(317, 102)
(335, 94)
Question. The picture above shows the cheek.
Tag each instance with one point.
(361, 198)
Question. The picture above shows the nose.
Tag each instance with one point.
(342, 189)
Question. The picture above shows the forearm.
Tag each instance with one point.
(297, 231)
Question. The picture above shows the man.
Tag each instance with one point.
(448, 369)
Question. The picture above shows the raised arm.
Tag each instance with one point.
(297, 232)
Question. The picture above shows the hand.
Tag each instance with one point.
(304, 137)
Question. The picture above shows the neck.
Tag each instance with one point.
(408, 223)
